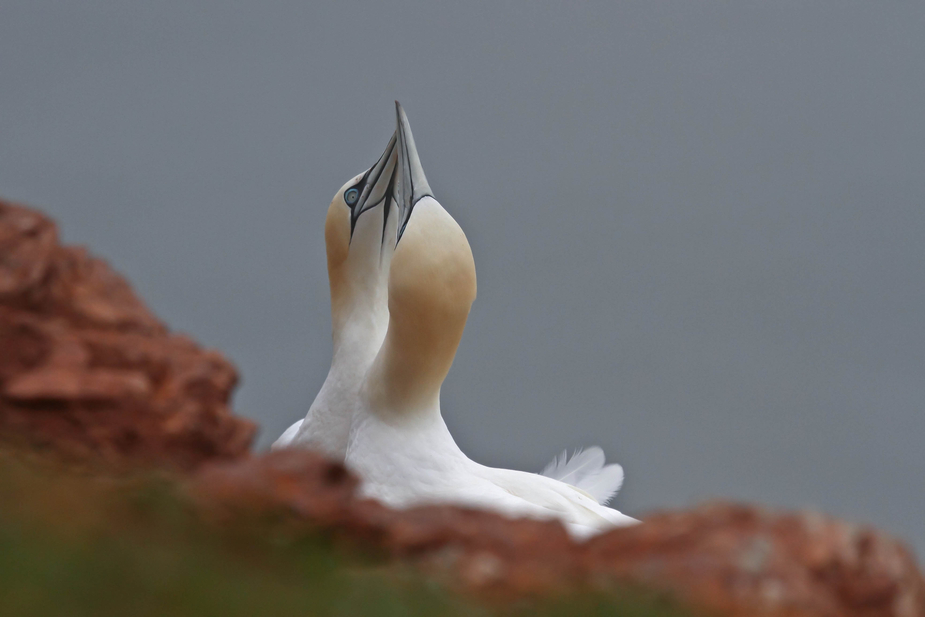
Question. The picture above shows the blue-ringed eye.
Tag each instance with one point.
(351, 196)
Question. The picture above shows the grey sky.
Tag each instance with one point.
(699, 227)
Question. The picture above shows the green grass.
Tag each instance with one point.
(80, 545)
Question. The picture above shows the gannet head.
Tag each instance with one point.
(432, 275)
(360, 231)
(431, 288)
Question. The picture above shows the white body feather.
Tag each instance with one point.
(419, 463)
(286, 438)
(406, 456)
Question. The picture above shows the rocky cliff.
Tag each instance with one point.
(86, 368)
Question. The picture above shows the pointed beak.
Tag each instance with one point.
(414, 184)
(377, 186)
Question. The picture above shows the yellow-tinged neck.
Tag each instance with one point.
(431, 287)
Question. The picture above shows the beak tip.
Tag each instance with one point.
(414, 184)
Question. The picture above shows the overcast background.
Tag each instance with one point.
(698, 226)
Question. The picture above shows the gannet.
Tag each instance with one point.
(399, 443)
(359, 251)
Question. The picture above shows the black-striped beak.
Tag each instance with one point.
(379, 185)
(414, 185)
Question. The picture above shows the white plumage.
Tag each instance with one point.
(285, 440)
(359, 250)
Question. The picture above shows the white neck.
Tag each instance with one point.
(359, 292)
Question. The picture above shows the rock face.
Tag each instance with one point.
(85, 367)
(727, 558)
(747, 560)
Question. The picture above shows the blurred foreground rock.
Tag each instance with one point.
(728, 558)
(86, 370)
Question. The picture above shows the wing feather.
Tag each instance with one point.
(285, 440)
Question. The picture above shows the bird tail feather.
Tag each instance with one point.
(586, 470)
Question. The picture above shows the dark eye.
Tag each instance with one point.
(351, 196)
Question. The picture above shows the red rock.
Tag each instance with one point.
(747, 560)
(485, 550)
(88, 370)
(727, 558)
(66, 384)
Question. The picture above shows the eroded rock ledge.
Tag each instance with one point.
(733, 559)
(87, 370)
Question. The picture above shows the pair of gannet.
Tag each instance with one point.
(401, 287)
